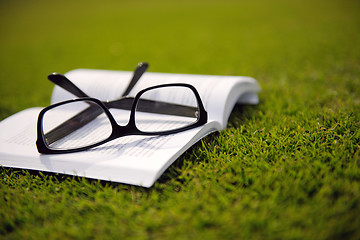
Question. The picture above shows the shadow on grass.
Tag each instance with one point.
(56, 178)
(241, 114)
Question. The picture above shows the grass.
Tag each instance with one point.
(288, 168)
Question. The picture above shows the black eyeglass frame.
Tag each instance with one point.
(118, 130)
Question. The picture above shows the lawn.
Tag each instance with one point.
(287, 168)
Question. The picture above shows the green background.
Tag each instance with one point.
(287, 168)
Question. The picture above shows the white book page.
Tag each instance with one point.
(218, 93)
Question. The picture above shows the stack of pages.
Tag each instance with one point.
(137, 160)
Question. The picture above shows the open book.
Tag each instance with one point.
(137, 160)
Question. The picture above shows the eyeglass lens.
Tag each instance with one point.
(84, 129)
(182, 112)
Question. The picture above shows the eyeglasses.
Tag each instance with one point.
(84, 123)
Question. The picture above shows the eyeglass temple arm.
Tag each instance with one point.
(138, 72)
(66, 84)
(69, 86)
(151, 106)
